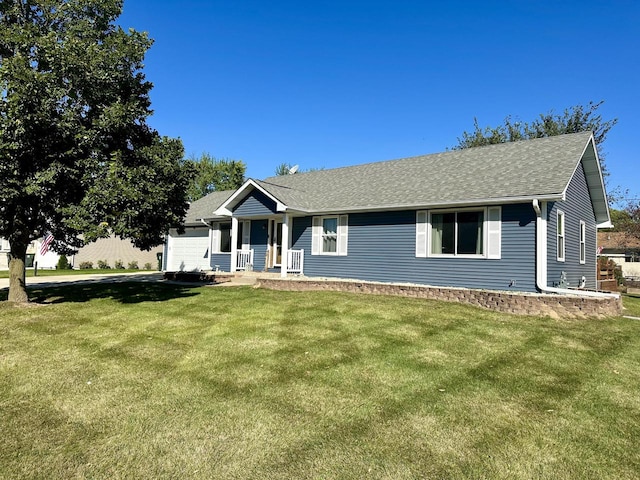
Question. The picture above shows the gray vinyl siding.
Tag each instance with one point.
(256, 204)
(222, 260)
(576, 207)
(382, 246)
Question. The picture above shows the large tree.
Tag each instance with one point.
(575, 119)
(77, 156)
(211, 174)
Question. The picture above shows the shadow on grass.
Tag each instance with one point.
(123, 292)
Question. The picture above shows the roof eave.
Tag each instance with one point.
(434, 205)
(226, 209)
(595, 182)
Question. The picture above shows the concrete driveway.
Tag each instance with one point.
(92, 278)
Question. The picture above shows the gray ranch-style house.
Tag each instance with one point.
(518, 216)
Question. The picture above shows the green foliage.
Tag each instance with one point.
(77, 157)
(575, 119)
(631, 224)
(283, 169)
(210, 174)
(133, 265)
(148, 266)
(86, 265)
(103, 265)
(63, 263)
(118, 265)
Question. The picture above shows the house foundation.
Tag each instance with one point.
(554, 306)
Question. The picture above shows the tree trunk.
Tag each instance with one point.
(17, 274)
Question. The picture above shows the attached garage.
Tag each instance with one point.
(189, 251)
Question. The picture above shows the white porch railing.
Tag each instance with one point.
(244, 260)
(295, 261)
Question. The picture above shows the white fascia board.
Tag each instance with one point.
(250, 184)
(455, 204)
(589, 173)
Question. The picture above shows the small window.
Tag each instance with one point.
(225, 238)
(560, 233)
(330, 235)
(583, 244)
(221, 238)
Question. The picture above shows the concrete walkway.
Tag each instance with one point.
(51, 280)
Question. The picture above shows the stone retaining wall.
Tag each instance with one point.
(555, 306)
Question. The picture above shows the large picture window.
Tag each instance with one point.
(457, 233)
(467, 232)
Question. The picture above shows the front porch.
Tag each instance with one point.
(256, 244)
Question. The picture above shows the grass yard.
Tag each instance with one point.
(157, 381)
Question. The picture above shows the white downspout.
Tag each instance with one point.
(541, 258)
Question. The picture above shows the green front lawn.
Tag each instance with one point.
(159, 381)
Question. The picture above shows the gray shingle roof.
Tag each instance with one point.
(205, 206)
(531, 168)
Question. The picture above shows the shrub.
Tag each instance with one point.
(103, 264)
(86, 265)
(119, 265)
(147, 266)
(63, 263)
(133, 265)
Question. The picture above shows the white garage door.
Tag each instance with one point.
(189, 251)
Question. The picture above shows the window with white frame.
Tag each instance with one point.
(330, 235)
(473, 232)
(560, 227)
(583, 242)
(221, 238)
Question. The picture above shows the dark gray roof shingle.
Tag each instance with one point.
(205, 206)
(531, 168)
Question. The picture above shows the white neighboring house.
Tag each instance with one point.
(192, 250)
(47, 261)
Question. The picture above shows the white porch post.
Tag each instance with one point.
(285, 246)
(234, 244)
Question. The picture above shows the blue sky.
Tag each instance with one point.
(333, 83)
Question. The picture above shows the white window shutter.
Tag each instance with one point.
(246, 235)
(343, 234)
(215, 238)
(316, 235)
(494, 232)
(421, 234)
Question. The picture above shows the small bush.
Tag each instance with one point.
(86, 265)
(133, 265)
(147, 266)
(103, 264)
(119, 265)
(63, 263)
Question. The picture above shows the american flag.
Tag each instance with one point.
(46, 241)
